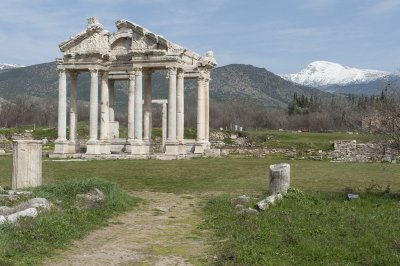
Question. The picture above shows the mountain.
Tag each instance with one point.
(9, 66)
(338, 78)
(235, 82)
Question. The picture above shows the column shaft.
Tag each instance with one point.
(94, 104)
(164, 124)
(207, 109)
(131, 107)
(200, 109)
(147, 105)
(180, 106)
(73, 115)
(104, 108)
(111, 90)
(62, 105)
(172, 105)
(138, 105)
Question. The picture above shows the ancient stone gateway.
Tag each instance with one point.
(131, 53)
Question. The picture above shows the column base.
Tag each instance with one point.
(139, 147)
(93, 147)
(73, 147)
(105, 147)
(174, 148)
(114, 130)
(61, 146)
(200, 147)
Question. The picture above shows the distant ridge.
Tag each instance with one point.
(235, 82)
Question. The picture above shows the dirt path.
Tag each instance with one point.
(161, 231)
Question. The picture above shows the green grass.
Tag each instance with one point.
(309, 229)
(31, 240)
(234, 174)
(303, 140)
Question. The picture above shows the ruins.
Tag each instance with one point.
(131, 53)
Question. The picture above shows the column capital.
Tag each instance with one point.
(171, 71)
(61, 71)
(93, 70)
(138, 71)
(104, 74)
(181, 73)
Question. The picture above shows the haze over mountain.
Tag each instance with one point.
(333, 77)
(236, 82)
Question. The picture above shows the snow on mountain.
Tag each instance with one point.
(323, 73)
(9, 66)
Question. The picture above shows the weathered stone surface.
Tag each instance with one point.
(27, 164)
(92, 199)
(30, 212)
(353, 196)
(32, 203)
(279, 178)
(247, 212)
(241, 200)
(2, 152)
(270, 200)
(2, 219)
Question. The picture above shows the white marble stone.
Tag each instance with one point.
(27, 164)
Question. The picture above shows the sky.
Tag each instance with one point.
(283, 36)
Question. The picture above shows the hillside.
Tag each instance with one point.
(236, 82)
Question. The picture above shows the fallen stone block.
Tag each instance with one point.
(352, 197)
(31, 212)
(270, 200)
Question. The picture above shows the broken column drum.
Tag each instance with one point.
(132, 53)
(279, 178)
(27, 163)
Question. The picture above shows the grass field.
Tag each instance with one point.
(318, 227)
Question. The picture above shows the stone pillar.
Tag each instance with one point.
(27, 164)
(138, 105)
(200, 140)
(73, 114)
(104, 115)
(164, 125)
(147, 105)
(180, 106)
(114, 125)
(207, 111)
(61, 143)
(172, 105)
(92, 144)
(180, 110)
(131, 107)
(171, 145)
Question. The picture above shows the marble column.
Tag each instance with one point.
(92, 146)
(73, 117)
(138, 105)
(147, 105)
(111, 89)
(201, 110)
(104, 107)
(114, 125)
(131, 106)
(94, 104)
(62, 106)
(104, 115)
(164, 125)
(207, 110)
(172, 105)
(180, 106)
(61, 143)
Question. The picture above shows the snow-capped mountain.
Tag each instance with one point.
(322, 73)
(9, 66)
